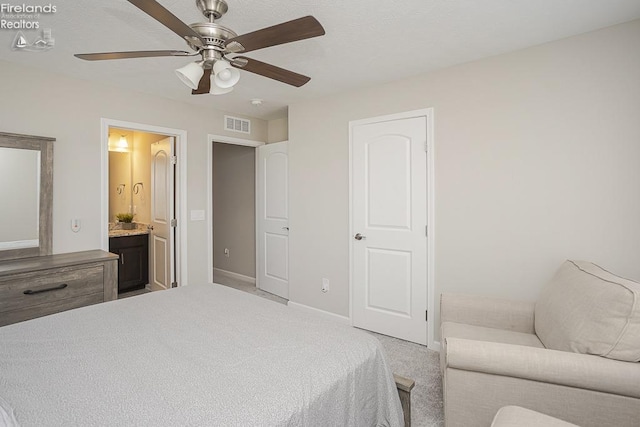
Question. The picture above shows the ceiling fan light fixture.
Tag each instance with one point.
(214, 89)
(224, 75)
(213, 41)
(191, 74)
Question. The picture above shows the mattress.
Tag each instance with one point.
(195, 355)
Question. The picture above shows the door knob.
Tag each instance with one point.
(359, 236)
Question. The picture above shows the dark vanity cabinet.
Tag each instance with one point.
(133, 262)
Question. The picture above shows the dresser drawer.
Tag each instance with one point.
(9, 317)
(26, 290)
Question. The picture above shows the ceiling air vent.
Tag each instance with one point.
(236, 124)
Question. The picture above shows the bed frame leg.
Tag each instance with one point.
(404, 386)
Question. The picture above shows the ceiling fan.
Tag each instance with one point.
(218, 46)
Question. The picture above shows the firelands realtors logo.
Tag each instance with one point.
(23, 17)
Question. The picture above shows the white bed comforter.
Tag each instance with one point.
(201, 355)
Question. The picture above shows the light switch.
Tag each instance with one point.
(197, 215)
(75, 225)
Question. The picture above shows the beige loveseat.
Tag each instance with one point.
(573, 354)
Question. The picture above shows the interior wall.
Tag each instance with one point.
(234, 208)
(39, 102)
(277, 130)
(536, 161)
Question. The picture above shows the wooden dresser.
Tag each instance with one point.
(38, 286)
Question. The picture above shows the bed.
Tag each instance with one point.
(195, 355)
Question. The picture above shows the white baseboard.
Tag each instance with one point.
(232, 275)
(326, 314)
(435, 346)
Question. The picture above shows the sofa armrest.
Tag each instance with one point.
(488, 312)
(548, 366)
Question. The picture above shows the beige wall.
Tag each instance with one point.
(537, 160)
(39, 102)
(234, 208)
(277, 130)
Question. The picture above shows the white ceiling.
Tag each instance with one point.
(368, 42)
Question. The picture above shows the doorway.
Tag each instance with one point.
(155, 196)
(391, 213)
(234, 196)
(236, 261)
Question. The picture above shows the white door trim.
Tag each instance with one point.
(225, 140)
(428, 114)
(181, 141)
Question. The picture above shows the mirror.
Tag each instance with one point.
(121, 145)
(130, 173)
(26, 184)
(119, 184)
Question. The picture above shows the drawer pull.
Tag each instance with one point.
(39, 291)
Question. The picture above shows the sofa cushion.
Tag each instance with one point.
(480, 333)
(517, 416)
(586, 309)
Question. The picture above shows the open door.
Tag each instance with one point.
(272, 217)
(163, 222)
(389, 219)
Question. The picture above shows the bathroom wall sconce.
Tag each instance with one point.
(121, 146)
(137, 187)
(120, 188)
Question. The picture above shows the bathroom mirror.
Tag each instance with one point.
(26, 188)
(120, 197)
(130, 173)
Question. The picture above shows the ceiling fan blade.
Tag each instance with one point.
(169, 20)
(127, 55)
(287, 32)
(205, 83)
(270, 71)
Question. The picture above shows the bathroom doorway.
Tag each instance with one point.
(143, 183)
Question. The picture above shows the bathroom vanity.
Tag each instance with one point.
(132, 249)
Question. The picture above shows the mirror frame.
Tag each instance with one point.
(45, 146)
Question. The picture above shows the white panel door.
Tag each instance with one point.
(389, 218)
(272, 218)
(161, 242)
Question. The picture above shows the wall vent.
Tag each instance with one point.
(236, 124)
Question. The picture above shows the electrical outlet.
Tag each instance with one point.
(325, 285)
(226, 252)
